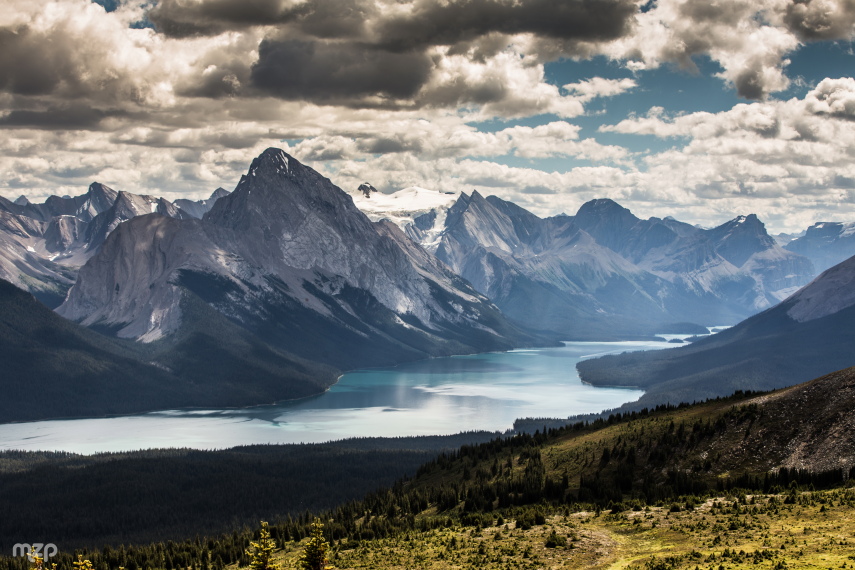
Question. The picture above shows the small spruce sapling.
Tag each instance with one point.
(261, 551)
(315, 553)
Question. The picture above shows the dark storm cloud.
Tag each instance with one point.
(68, 117)
(294, 69)
(427, 23)
(349, 50)
(52, 62)
(28, 66)
(182, 19)
(813, 20)
(435, 23)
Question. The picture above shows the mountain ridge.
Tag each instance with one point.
(807, 335)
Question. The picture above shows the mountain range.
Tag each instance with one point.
(43, 245)
(603, 273)
(272, 290)
(826, 243)
(808, 335)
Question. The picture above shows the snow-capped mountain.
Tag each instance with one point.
(418, 211)
(289, 257)
(43, 245)
(806, 336)
(826, 243)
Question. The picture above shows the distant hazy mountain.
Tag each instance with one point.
(288, 257)
(43, 245)
(550, 274)
(809, 334)
(198, 208)
(826, 243)
(603, 272)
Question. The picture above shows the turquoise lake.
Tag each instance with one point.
(431, 397)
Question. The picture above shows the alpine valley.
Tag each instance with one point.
(269, 292)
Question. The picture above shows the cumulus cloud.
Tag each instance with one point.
(779, 156)
(431, 141)
(750, 39)
(820, 19)
(599, 87)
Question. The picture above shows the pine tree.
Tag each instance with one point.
(82, 564)
(315, 553)
(261, 551)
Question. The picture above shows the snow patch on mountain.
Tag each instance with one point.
(420, 212)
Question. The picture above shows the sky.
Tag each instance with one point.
(697, 109)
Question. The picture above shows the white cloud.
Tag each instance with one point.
(589, 89)
(750, 39)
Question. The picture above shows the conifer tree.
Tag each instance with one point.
(315, 553)
(82, 564)
(261, 551)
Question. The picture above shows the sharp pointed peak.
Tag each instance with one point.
(273, 161)
(219, 193)
(22, 200)
(750, 219)
(101, 188)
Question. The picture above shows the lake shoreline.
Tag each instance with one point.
(440, 396)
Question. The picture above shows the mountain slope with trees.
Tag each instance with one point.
(807, 335)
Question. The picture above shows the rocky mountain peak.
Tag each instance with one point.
(366, 189)
(607, 222)
(605, 209)
(273, 161)
(278, 191)
(99, 198)
(218, 193)
(740, 238)
(22, 201)
(101, 194)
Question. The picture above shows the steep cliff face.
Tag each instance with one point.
(289, 257)
(45, 244)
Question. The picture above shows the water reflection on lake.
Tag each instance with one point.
(437, 396)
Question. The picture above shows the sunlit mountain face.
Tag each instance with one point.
(670, 107)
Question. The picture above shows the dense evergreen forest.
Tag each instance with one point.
(137, 497)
